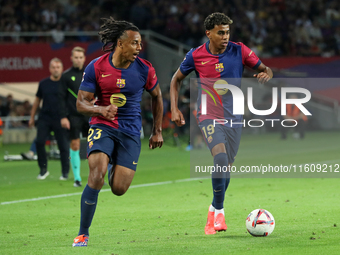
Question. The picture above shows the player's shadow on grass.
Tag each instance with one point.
(246, 235)
(234, 237)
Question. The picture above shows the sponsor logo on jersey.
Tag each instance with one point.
(219, 67)
(118, 99)
(120, 83)
(220, 91)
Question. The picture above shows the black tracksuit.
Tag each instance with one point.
(49, 120)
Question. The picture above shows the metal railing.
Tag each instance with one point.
(8, 119)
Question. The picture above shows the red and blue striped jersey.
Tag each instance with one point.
(121, 87)
(211, 69)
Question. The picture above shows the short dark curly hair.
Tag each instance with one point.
(216, 18)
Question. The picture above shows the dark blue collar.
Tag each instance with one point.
(207, 47)
(110, 60)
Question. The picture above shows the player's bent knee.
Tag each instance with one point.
(217, 149)
(75, 147)
(96, 176)
(75, 144)
(118, 191)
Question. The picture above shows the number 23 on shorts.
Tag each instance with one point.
(94, 134)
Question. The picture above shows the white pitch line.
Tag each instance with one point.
(138, 186)
(103, 190)
(39, 198)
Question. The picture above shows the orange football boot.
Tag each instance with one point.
(209, 227)
(220, 223)
(80, 240)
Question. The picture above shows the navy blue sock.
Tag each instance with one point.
(219, 180)
(88, 205)
(227, 181)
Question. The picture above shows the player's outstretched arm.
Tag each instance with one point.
(176, 115)
(264, 75)
(85, 106)
(156, 138)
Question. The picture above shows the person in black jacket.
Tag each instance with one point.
(69, 117)
(49, 120)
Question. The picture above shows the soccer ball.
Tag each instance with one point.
(260, 222)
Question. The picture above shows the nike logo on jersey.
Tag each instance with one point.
(134, 163)
(203, 63)
(105, 75)
(250, 53)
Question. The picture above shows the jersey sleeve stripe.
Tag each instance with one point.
(257, 64)
(188, 64)
(149, 90)
(87, 89)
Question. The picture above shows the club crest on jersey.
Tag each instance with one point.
(219, 67)
(210, 139)
(120, 83)
(90, 144)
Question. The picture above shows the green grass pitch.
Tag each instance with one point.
(168, 216)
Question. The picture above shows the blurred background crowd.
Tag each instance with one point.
(269, 27)
(15, 108)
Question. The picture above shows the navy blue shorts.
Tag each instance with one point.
(231, 137)
(122, 149)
